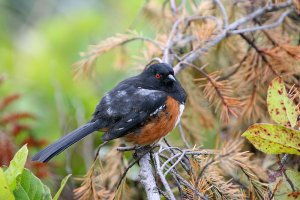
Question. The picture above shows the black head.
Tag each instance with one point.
(160, 76)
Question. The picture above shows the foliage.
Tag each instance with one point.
(280, 106)
(225, 53)
(234, 88)
(15, 132)
(281, 138)
(274, 139)
(283, 190)
(16, 182)
(102, 179)
(209, 173)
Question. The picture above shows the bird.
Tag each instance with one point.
(141, 110)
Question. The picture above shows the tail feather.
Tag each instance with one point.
(66, 141)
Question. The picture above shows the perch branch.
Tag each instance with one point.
(147, 178)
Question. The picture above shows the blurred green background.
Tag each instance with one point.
(41, 40)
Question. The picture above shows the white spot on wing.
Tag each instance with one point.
(107, 99)
(120, 128)
(109, 111)
(121, 93)
(158, 110)
(145, 92)
(129, 120)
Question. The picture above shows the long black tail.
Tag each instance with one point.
(60, 145)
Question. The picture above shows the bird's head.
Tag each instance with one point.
(159, 74)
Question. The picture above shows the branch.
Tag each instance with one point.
(165, 183)
(173, 7)
(147, 178)
(182, 135)
(268, 26)
(190, 19)
(259, 12)
(146, 171)
(195, 54)
(187, 184)
(223, 11)
(281, 163)
(260, 53)
(170, 41)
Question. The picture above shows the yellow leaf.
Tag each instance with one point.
(274, 139)
(16, 167)
(5, 192)
(281, 108)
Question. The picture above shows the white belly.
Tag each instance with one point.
(181, 108)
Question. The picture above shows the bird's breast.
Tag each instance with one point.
(158, 125)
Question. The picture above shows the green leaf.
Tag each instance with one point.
(281, 108)
(62, 185)
(31, 188)
(5, 193)
(16, 167)
(274, 139)
(282, 189)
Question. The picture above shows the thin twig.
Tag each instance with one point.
(264, 58)
(182, 135)
(235, 70)
(173, 175)
(184, 163)
(201, 172)
(213, 83)
(173, 7)
(170, 41)
(283, 170)
(264, 27)
(174, 165)
(162, 177)
(178, 185)
(132, 163)
(195, 54)
(163, 193)
(187, 184)
(155, 43)
(170, 159)
(190, 19)
(223, 11)
(181, 5)
(99, 148)
(258, 12)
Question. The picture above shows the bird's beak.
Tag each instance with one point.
(171, 77)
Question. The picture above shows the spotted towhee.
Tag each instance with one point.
(141, 109)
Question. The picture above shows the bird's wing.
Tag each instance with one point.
(128, 108)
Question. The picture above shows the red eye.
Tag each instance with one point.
(157, 76)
